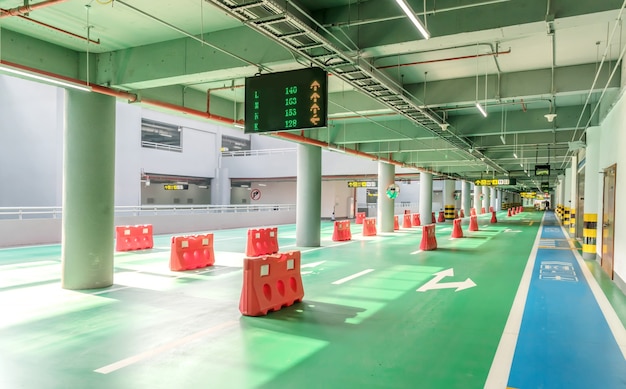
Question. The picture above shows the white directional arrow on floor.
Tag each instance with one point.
(435, 284)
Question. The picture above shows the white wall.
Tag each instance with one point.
(200, 148)
(612, 144)
(127, 158)
(31, 151)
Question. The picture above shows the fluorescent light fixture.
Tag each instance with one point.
(501, 136)
(411, 15)
(49, 80)
(515, 155)
(521, 164)
(238, 125)
(481, 109)
(262, 184)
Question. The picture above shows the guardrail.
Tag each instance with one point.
(161, 146)
(254, 153)
(21, 213)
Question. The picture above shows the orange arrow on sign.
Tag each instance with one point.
(315, 97)
(315, 108)
(315, 120)
(315, 85)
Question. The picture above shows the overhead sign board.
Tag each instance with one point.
(296, 99)
(495, 182)
(528, 195)
(362, 184)
(176, 186)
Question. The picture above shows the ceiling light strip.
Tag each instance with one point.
(411, 15)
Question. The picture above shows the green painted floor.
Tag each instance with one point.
(159, 329)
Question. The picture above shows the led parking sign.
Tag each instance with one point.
(292, 100)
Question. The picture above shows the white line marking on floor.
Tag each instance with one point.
(158, 350)
(359, 274)
(498, 377)
(325, 247)
(110, 290)
(615, 324)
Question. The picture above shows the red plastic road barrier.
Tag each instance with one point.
(429, 240)
(461, 213)
(191, 252)
(360, 216)
(396, 223)
(407, 211)
(490, 209)
(406, 221)
(441, 218)
(342, 231)
(472, 211)
(457, 232)
(513, 212)
(129, 238)
(369, 226)
(509, 212)
(520, 209)
(262, 241)
(482, 211)
(415, 220)
(434, 220)
(493, 217)
(270, 282)
(473, 223)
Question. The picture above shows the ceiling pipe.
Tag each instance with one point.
(324, 145)
(24, 9)
(473, 56)
(130, 97)
(57, 29)
(432, 12)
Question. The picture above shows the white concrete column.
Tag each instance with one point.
(426, 197)
(465, 197)
(486, 200)
(309, 196)
(592, 195)
(448, 199)
(478, 190)
(220, 187)
(386, 177)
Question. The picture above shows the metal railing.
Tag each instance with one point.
(24, 213)
(161, 146)
(254, 153)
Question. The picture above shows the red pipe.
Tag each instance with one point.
(24, 9)
(133, 98)
(56, 28)
(315, 142)
(444, 59)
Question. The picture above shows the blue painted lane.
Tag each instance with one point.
(564, 339)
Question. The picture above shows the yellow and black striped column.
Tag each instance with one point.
(448, 212)
(566, 217)
(572, 222)
(590, 225)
